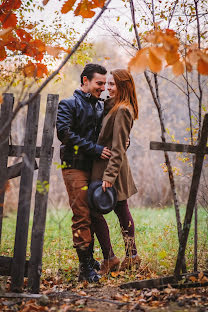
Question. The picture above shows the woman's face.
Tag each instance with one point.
(111, 86)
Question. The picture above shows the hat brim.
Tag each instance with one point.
(95, 193)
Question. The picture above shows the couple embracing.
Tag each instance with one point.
(94, 136)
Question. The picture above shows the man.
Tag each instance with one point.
(78, 125)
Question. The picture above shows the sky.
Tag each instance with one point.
(116, 16)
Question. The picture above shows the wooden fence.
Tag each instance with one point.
(18, 267)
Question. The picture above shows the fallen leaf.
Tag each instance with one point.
(193, 279)
(114, 274)
(82, 293)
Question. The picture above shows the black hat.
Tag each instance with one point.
(100, 201)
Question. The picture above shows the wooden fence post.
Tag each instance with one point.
(6, 110)
(18, 265)
(41, 197)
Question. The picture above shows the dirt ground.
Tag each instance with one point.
(109, 298)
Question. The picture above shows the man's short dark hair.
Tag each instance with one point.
(91, 69)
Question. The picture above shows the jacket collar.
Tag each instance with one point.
(108, 104)
(86, 96)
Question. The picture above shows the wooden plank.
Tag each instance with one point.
(35, 264)
(163, 282)
(18, 150)
(150, 283)
(6, 111)
(6, 266)
(22, 295)
(174, 147)
(192, 196)
(25, 195)
(14, 171)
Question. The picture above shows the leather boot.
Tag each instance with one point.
(86, 272)
(94, 263)
(109, 265)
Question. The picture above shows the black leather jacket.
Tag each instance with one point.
(78, 125)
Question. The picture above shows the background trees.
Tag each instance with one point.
(31, 49)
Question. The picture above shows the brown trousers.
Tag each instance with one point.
(76, 182)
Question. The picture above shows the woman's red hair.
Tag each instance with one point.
(126, 93)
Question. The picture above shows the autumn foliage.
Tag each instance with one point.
(164, 50)
(16, 40)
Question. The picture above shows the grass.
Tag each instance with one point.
(156, 239)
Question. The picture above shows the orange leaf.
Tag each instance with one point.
(40, 45)
(1, 99)
(202, 67)
(54, 51)
(193, 57)
(23, 35)
(170, 43)
(203, 56)
(114, 274)
(9, 5)
(139, 62)
(29, 69)
(8, 20)
(99, 3)
(68, 5)
(188, 66)
(5, 31)
(3, 54)
(193, 278)
(45, 2)
(41, 70)
(204, 280)
(172, 57)
(178, 68)
(159, 52)
(84, 9)
(154, 63)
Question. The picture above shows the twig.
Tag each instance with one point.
(91, 298)
(171, 14)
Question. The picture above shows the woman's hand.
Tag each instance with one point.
(106, 153)
(106, 184)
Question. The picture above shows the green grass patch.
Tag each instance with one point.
(155, 232)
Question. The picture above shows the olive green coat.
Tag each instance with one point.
(114, 134)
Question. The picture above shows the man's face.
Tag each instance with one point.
(95, 86)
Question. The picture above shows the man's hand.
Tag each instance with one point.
(106, 153)
(106, 184)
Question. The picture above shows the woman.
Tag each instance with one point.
(122, 110)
